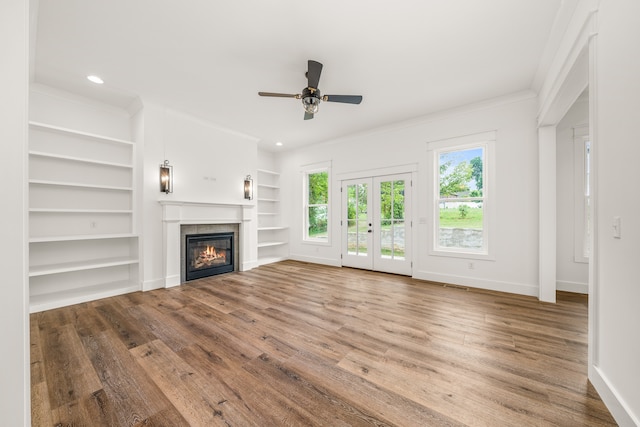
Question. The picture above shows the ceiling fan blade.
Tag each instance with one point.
(313, 73)
(347, 99)
(308, 116)
(277, 95)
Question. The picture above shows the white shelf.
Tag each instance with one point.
(274, 187)
(44, 270)
(272, 237)
(79, 159)
(75, 296)
(107, 211)
(81, 179)
(268, 244)
(80, 237)
(268, 172)
(78, 185)
(58, 129)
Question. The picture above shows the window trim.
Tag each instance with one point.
(485, 140)
(581, 233)
(306, 171)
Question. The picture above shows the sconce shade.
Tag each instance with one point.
(248, 188)
(166, 177)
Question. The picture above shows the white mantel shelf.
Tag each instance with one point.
(177, 213)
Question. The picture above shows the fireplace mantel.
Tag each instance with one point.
(177, 213)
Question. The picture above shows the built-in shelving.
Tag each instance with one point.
(83, 243)
(43, 270)
(79, 159)
(272, 235)
(111, 211)
(78, 184)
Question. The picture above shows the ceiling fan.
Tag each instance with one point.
(311, 96)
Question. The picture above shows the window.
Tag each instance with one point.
(317, 205)
(586, 249)
(582, 194)
(461, 183)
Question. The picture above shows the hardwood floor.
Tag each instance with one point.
(302, 345)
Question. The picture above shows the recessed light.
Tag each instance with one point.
(95, 79)
(279, 144)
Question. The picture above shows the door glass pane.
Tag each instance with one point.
(392, 213)
(357, 219)
(386, 201)
(398, 199)
(398, 240)
(386, 238)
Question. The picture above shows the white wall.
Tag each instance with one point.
(209, 165)
(268, 160)
(64, 109)
(571, 275)
(617, 109)
(14, 84)
(514, 243)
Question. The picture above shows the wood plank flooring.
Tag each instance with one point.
(296, 344)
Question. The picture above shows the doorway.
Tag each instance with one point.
(376, 223)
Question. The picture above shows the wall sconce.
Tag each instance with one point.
(248, 188)
(166, 177)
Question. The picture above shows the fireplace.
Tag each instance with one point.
(208, 254)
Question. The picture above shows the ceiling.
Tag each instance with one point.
(209, 58)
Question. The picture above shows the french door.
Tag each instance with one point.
(376, 223)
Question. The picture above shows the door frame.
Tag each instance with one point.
(411, 169)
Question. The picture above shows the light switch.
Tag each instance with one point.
(616, 227)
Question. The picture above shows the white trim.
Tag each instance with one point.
(612, 399)
(547, 213)
(571, 47)
(580, 234)
(150, 285)
(316, 260)
(486, 140)
(474, 282)
(370, 173)
(307, 170)
(462, 140)
(576, 287)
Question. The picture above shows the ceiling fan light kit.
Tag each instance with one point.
(311, 96)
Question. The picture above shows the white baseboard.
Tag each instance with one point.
(316, 260)
(249, 265)
(576, 287)
(617, 406)
(474, 282)
(171, 281)
(149, 285)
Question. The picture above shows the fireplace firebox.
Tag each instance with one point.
(208, 255)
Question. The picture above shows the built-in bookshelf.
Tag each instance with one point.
(83, 243)
(273, 237)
